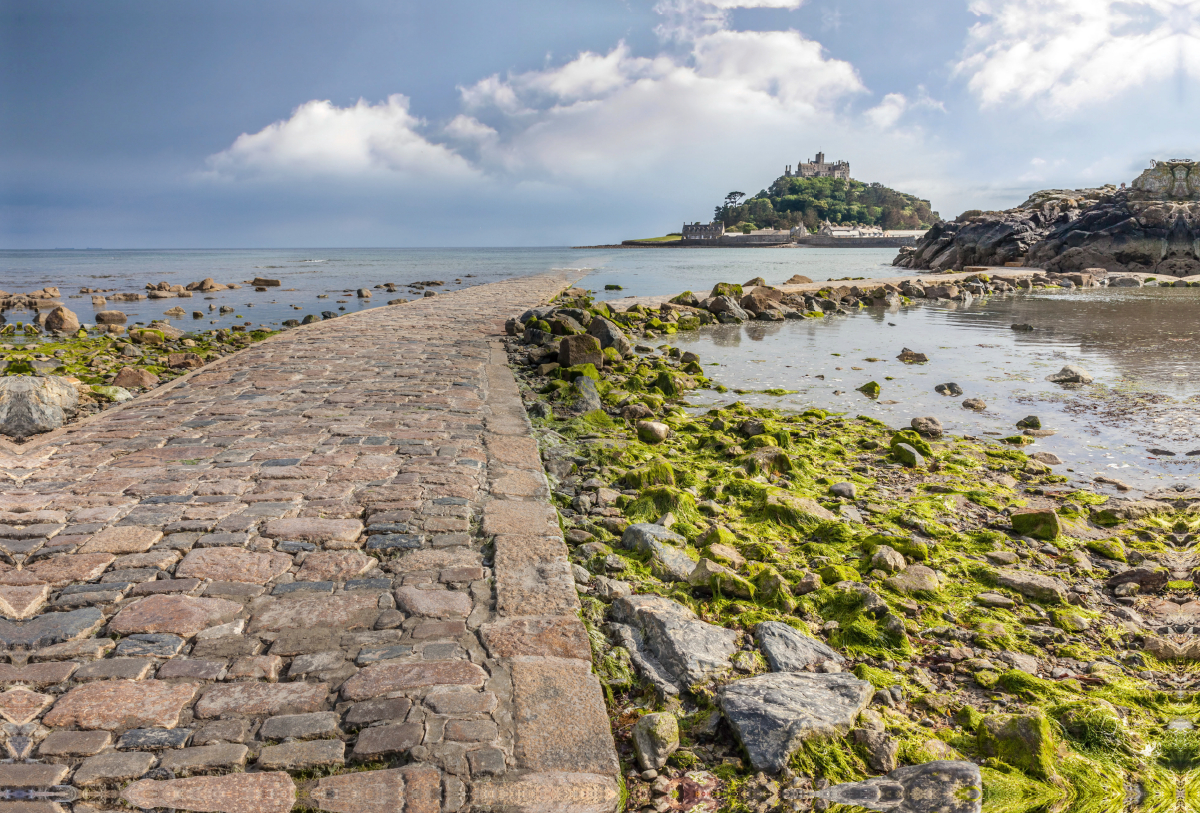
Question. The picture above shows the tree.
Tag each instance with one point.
(733, 197)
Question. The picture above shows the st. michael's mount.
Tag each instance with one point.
(1153, 227)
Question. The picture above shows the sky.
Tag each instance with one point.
(278, 123)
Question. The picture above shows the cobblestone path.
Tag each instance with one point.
(320, 572)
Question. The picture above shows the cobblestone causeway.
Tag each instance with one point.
(320, 572)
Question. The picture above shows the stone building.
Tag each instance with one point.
(820, 168)
(703, 231)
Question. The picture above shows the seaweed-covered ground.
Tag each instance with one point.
(110, 369)
(1044, 634)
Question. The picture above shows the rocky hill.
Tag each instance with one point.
(1151, 227)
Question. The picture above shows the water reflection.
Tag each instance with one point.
(1137, 343)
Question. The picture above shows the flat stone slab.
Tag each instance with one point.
(689, 649)
(347, 611)
(261, 698)
(393, 676)
(121, 704)
(182, 615)
(773, 714)
(233, 565)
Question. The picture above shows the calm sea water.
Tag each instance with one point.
(307, 274)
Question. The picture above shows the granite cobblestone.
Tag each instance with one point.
(292, 548)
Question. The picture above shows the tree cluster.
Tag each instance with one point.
(790, 202)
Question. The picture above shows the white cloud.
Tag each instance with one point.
(888, 112)
(1065, 54)
(321, 139)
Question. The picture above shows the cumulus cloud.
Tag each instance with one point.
(322, 139)
(728, 103)
(1064, 54)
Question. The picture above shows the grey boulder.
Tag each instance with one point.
(774, 714)
(610, 335)
(672, 641)
(30, 406)
(788, 650)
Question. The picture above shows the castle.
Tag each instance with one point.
(818, 168)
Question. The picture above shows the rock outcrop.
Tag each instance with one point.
(30, 406)
(1151, 227)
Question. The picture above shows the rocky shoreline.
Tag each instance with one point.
(817, 606)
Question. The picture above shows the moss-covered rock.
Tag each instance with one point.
(1042, 523)
(1111, 548)
(657, 472)
(1023, 741)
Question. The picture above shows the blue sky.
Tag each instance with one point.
(132, 123)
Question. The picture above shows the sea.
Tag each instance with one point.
(1135, 423)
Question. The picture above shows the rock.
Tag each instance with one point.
(927, 426)
(788, 650)
(773, 714)
(587, 397)
(260, 282)
(798, 279)
(915, 579)
(909, 456)
(1115, 512)
(636, 412)
(652, 432)
(912, 357)
(1030, 422)
(675, 640)
(845, 490)
(121, 704)
(948, 389)
(880, 748)
(976, 404)
(941, 786)
(642, 536)
(110, 318)
(62, 320)
(1042, 523)
(655, 737)
(1147, 578)
(580, 349)
(363, 293)
(1036, 586)
(610, 335)
(1070, 374)
(1021, 740)
(133, 377)
(31, 406)
(184, 361)
(299, 756)
(888, 559)
(1049, 458)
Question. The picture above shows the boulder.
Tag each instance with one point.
(261, 282)
(1040, 523)
(30, 406)
(652, 432)
(581, 349)
(1070, 374)
(1036, 586)
(773, 714)
(671, 639)
(909, 456)
(62, 320)
(1147, 578)
(655, 737)
(609, 335)
(587, 397)
(915, 579)
(888, 559)
(788, 650)
(1021, 740)
(928, 426)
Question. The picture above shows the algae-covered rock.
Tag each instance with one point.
(911, 547)
(720, 579)
(1042, 523)
(917, 579)
(913, 439)
(888, 559)
(767, 460)
(1114, 513)
(871, 389)
(1036, 586)
(1071, 620)
(797, 512)
(908, 455)
(655, 737)
(115, 394)
(642, 535)
(832, 574)
(680, 644)
(655, 473)
(581, 349)
(1111, 548)
(726, 289)
(1021, 740)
